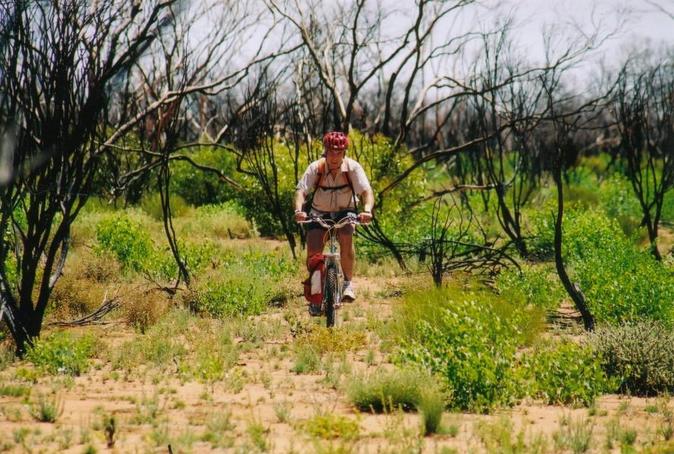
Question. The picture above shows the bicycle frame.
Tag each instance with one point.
(332, 288)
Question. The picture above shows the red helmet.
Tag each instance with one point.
(335, 140)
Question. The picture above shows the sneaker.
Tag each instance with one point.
(348, 294)
(315, 310)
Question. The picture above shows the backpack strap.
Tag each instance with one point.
(322, 172)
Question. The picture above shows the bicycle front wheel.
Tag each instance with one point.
(332, 294)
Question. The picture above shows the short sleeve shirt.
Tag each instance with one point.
(330, 201)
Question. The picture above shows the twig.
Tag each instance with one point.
(95, 318)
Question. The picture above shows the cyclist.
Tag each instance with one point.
(338, 183)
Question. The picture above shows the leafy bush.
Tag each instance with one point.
(62, 353)
(631, 284)
(620, 282)
(248, 281)
(151, 204)
(388, 390)
(223, 221)
(566, 373)
(330, 426)
(538, 285)
(619, 202)
(640, 354)
(470, 343)
(126, 239)
(198, 187)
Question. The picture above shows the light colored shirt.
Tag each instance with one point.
(341, 199)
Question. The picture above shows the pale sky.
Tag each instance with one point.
(636, 24)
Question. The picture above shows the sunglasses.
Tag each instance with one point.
(335, 151)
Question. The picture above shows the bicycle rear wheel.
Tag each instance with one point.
(332, 294)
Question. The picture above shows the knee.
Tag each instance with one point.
(346, 247)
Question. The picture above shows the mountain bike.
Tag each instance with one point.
(332, 289)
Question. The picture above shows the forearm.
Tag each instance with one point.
(368, 200)
(299, 200)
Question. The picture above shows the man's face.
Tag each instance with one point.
(334, 157)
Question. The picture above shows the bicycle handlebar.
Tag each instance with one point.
(329, 223)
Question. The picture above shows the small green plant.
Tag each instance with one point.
(613, 431)
(386, 391)
(575, 435)
(282, 410)
(148, 411)
(63, 353)
(15, 390)
(307, 360)
(500, 436)
(666, 426)
(330, 426)
(20, 434)
(110, 429)
(566, 373)
(219, 430)
(431, 405)
(126, 239)
(258, 435)
(628, 437)
(46, 409)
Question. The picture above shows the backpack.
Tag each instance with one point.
(313, 286)
(321, 173)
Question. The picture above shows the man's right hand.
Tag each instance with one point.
(300, 216)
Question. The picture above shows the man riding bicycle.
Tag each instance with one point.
(338, 182)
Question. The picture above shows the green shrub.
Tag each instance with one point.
(470, 343)
(63, 353)
(537, 285)
(46, 409)
(639, 354)
(126, 239)
(566, 373)
(198, 187)
(224, 221)
(631, 284)
(196, 256)
(330, 426)
(151, 204)
(668, 207)
(431, 405)
(620, 282)
(248, 282)
(307, 360)
(389, 390)
(619, 202)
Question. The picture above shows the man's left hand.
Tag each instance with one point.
(364, 217)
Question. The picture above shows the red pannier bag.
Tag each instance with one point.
(314, 293)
